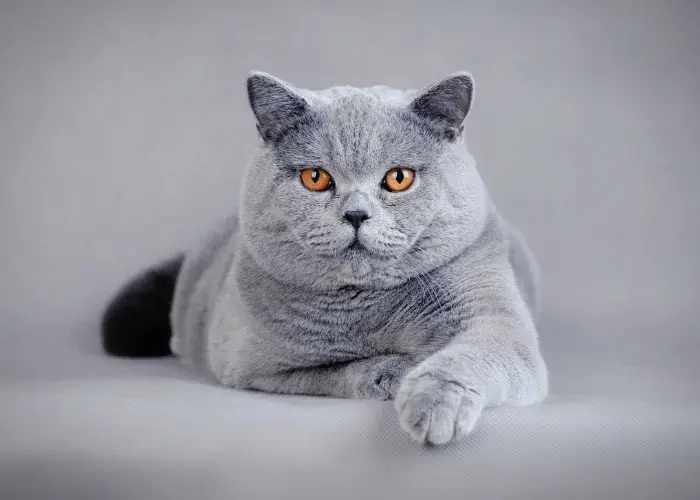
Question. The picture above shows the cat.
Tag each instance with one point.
(366, 261)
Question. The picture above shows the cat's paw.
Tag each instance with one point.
(435, 409)
(380, 377)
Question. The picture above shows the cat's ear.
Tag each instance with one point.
(275, 104)
(446, 103)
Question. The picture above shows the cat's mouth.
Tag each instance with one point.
(356, 245)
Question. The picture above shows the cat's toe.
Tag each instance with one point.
(470, 410)
(383, 387)
(382, 381)
(437, 411)
(387, 383)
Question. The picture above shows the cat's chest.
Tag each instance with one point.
(350, 323)
(348, 314)
(300, 327)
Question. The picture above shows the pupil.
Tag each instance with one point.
(314, 176)
(399, 176)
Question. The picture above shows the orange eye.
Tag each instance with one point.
(316, 179)
(398, 179)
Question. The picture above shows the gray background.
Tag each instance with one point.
(124, 133)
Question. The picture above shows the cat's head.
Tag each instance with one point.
(364, 187)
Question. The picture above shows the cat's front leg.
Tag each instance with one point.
(494, 359)
(237, 357)
(377, 377)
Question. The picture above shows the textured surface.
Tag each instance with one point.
(123, 133)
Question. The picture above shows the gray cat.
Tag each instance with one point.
(367, 261)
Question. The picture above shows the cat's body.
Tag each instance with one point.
(422, 294)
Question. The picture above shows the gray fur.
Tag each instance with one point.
(437, 313)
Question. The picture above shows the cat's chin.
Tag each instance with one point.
(374, 279)
(351, 252)
(357, 251)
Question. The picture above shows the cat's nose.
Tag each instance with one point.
(356, 217)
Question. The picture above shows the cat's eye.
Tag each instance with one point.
(398, 179)
(316, 179)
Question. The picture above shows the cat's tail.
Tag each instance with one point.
(136, 323)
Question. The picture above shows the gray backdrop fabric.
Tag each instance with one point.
(124, 133)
